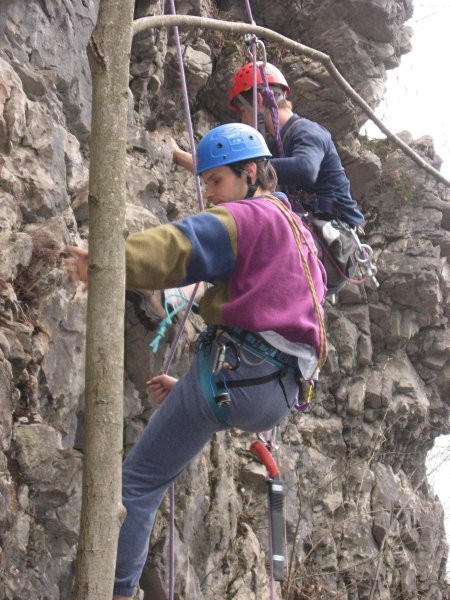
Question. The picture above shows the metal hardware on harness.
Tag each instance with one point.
(219, 359)
(271, 444)
(222, 399)
(364, 259)
(307, 398)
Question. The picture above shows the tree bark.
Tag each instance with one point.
(102, 511)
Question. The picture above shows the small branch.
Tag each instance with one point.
(241, 28)
(95, 52)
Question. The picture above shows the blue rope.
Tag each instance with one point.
(167, 322)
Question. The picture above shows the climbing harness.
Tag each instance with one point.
(233, 346)
(338, 243)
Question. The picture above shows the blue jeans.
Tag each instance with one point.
(176, 433)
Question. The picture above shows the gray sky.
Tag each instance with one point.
(418, 92)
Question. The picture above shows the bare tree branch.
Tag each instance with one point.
(192, 22)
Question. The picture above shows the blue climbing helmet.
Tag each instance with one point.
(228, 144)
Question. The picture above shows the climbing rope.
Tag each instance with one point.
(273, 107)
(189, 304)
(266, 91)
(300, 238)
(251, 41)
(271, 101)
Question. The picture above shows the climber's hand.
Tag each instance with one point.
(76, 263)
(160, 386)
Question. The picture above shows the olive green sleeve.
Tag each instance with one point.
(157, 258)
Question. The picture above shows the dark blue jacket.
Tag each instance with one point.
(312, 165)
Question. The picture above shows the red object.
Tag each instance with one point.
(265, 457)
(243, 80)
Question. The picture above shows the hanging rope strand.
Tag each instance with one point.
(271, 102)
(249, 12)
(187, 110)
(300, 239)
(255, 125)
(276, 127)
(187, 311)
(253, 52)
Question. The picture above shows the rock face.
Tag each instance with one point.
(362, 520)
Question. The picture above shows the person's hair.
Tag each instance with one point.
(266, 176)
(283, 102)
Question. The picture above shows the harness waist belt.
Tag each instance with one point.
(252, 380)
(257, 344)
(324, 205)
(327, 205)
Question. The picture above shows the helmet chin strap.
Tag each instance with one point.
(251, 187)
(261, 116)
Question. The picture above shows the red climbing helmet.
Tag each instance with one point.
(243, 80)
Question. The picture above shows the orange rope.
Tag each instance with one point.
(299, 237)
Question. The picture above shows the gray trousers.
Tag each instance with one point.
(176, 433)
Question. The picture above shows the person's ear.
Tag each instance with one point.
(250, 170)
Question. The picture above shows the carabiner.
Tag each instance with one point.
(365, 254)
(364, 259)
(219, 358)
(251, 39)
(270, 444)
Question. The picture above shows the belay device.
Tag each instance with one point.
(275, 491)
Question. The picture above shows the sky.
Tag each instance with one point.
(417, 99)
(417, 95)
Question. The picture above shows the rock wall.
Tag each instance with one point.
(362, 521)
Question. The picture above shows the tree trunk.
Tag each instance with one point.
(102, 511)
